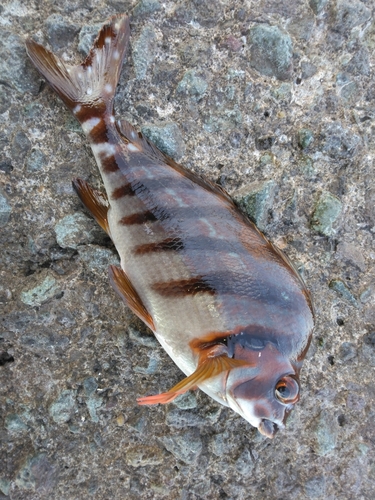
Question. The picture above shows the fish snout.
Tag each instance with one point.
(268, 428)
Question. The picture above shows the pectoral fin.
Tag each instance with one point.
(129, 295)
(210, 367)
(95, 201)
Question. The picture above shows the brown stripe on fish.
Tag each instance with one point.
(106, 156)
(83, 112)
(97, 130)
(175, 244)
(139, 218)
(125, 190)
(184, 287)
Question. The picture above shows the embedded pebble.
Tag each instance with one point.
(167, 138)
(36, 160)
(74, 230)
(271, 51)
(143, 455)
(37, 474)
(86, 37)
(5, 210)
(60, 32)
(327, 210)
(63, 408)
(145, 7)
(144, 51)
(343, 290)
(256, 200)
(46, 290)
(14, 423)
(326, 433)
(185, 447)
(97, 258)
(192, 85)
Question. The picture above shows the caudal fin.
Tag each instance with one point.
(92, 83)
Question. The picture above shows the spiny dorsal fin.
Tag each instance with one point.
(148, 148)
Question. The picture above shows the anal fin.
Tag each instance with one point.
(95, 201)
(210, 367)
(129, 295)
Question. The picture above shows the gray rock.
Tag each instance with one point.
(339, 143)
(15, 68)
(60, 32)
(327, 210)
(368, 348)
(308, 70)
(36, 160)
(14, 423)
(317, 5)
(63, 408)
(20, 146)
(342, 290)
(305, 138)
(45, 290)
(144, 51)
(186, 447)
(141, 456)
(256, 199)
(180, 419)
(145, 7)
(352, 254)
(167, 138)
(244, 463)
(348, 14)
(5, 210)
(97, 258)
(347, 351)
(271, 51)
(187, 401)
(326, 433)
(37, 474)
(359, 64)
(74, 230)
(192, 85)
(4, 486)
(86, 37)
(315, 487)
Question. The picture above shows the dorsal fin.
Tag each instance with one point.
(130, 134)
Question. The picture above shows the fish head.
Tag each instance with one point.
(264, 392)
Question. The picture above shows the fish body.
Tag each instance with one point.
(227, 305)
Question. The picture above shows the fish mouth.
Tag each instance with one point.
(268, 428)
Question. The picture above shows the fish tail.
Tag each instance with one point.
(91, 84)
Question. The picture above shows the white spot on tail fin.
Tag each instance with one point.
(108, 88)
(104, 148)
(77, 109)
(132, 148)
(112, 119)
(89, 91)
(90, 124)
(107, 39)
(89, 70)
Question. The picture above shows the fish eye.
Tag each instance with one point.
(287, 390)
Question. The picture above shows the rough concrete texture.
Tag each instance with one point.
(251, 94)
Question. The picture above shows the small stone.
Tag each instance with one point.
(36, 160)
(185, 447)
(5, 210)
(60, 32)
(348, 14)
(256, 200)
(87, 37)
(145, 7)
(37, 474)
(308, 70)
(347, 351)
(74, 230)
(4, 486)
(306, 165)
(283, 93)
(271, 51)
(13, 423)
(315, 487)
(326, 433)
(6, 165)
(90, 386)
(144, 51)
(340, 288)
(46, 290)
(143, 455)
(368, 348)
(305, 138)
(63, 408)
(20, 145)
(351, 253)
(359, 64)
(97, 258)
(244, 463)
(317, 5)
(186, 401)
(327, 210)
(339, 143)
(167, 138)
(181, 419)
(192, 85)
(120, 420)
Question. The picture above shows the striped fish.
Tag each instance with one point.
(224, 302)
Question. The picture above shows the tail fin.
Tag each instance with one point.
(92, 83)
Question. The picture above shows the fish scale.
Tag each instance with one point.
(226, 304)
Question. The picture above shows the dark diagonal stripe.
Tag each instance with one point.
(139, 218)
(184, 287)
(120, 192)
(109, 164)
(100, 133)
(169, 244)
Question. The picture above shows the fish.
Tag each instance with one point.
(224, 302)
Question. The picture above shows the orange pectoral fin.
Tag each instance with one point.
(210, 367)
(129, 295)
(95, 201)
